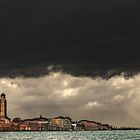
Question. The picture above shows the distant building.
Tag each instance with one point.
(67, 124)
(87, 125)
(56, 123)
(91, 125)
(36, 124)
(3, 106)
(60, 123)
(3, 109)
(5, 123)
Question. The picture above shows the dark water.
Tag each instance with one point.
(96, 135)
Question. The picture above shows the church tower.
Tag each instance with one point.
(3, 106)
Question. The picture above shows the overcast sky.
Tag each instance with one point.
(78, 58)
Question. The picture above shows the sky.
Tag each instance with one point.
(78, 58)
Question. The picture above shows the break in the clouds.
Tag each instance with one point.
(115, 101)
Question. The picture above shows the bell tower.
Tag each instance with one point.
(3, 106)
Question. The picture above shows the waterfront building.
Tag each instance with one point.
(56, 123)
(60, 123)
(3, 106)
(67, 124)
(87, 125)
(5, 123)
(36, 124)
(91, 125)
(3, 109)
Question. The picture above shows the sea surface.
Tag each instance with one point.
(95, 135)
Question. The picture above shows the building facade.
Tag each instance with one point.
(60, 124)
(3, 106)
(3, 109)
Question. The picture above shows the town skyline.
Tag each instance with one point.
(59, 123)
(66, 98)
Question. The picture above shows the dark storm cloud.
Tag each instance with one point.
(80, 37)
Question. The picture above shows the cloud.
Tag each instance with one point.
(115, 101)
(69, 92)
(92, 105)
(118, 98)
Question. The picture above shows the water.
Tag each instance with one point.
(96, 135)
